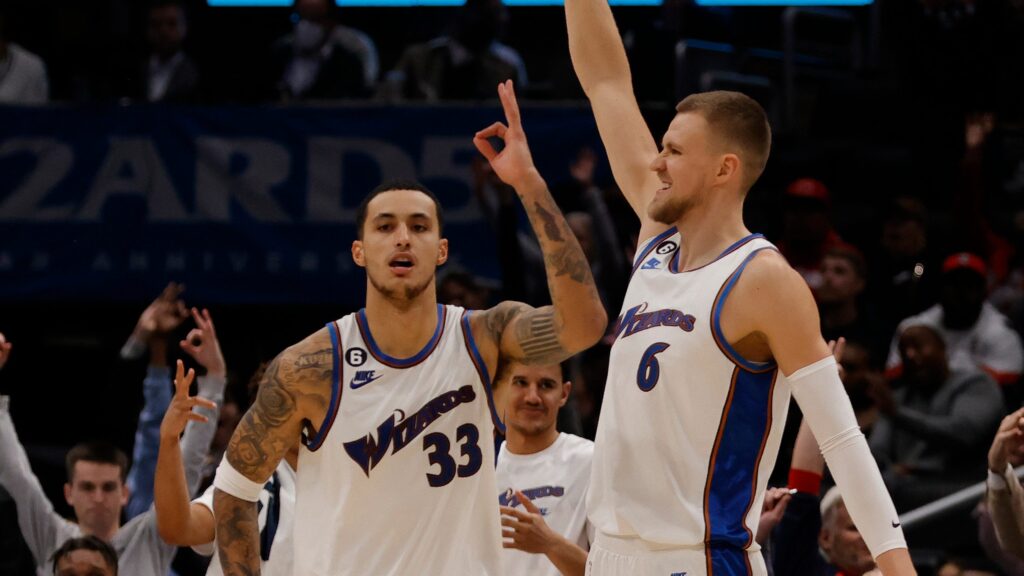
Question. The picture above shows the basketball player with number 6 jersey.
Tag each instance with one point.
(716, 331)
(394, 405)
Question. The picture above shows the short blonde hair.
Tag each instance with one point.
(740, 121)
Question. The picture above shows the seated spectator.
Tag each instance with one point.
(807, 229)
(97, 491)
(464, 65)
(843, 279)
(185, 523)
(1005, 495)
(904, 274)
(322, 59)
(85, 556)
(976, 334)
(171, 75)
(816, 537)
(542, 474)
(933, 429)
(459, 288)
(23, 77)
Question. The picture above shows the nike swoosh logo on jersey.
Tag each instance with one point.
(362, 378)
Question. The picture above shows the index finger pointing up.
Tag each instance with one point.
(507, 94)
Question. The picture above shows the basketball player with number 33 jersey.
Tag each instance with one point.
(716, 332)
(396, 472)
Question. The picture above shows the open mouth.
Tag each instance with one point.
(401, 264)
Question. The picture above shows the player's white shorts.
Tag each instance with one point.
(611, 556)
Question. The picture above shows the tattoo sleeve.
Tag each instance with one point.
(295, 389)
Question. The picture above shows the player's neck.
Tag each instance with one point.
(401, 329)
(519, 443)
(707, 231)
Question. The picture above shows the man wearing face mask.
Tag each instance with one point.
(322, 59)
(464, 65)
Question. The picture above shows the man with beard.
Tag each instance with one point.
(394, 402)
(716, 331)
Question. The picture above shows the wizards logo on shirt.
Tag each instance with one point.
(398, 430)
(637, 319)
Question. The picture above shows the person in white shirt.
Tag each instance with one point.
(23, 77)
(542, 476)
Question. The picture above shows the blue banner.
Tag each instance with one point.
(241, 204)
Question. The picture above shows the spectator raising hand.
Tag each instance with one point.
(179, 413)
(1008, 445)
(159, 319)
(1005, 495)
(202, 345)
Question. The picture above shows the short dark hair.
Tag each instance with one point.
(390, 186)
(101, 452)
(740, 120)
(86, 543)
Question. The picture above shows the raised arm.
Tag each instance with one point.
(790, 326)
(178, 521)
(576, 319)
(599, 59)
(164, 315)
(294, 394)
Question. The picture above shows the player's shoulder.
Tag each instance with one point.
(577, 446)
(768, 272)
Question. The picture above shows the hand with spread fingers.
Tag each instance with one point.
(179, 413)
(202, 344)
(5, 350)
(514, 164)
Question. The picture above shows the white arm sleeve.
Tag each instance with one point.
(825, 405)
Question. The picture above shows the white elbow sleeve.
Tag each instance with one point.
(235, 483)
(825, 405)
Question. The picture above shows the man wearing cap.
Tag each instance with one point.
(807, 229)
(975, 333)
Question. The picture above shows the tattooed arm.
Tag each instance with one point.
(576, 319)
(293, 395)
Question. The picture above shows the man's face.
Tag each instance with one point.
(83, 563)
(923, 355)
(685, 166)
(166, 29)
(401, 246)
(963, 294)
(532, 396)
(840, 281)
(841, 540)
(97, 494)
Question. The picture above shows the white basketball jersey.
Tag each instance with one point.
(689, 430)
(276, 513)
(399, 478)
(555, 480)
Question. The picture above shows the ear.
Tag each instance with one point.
(357, 253)
(442, 252)
(728, 168)
(126, 493)
(67, 494)
(825, 540)
(566, 392)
